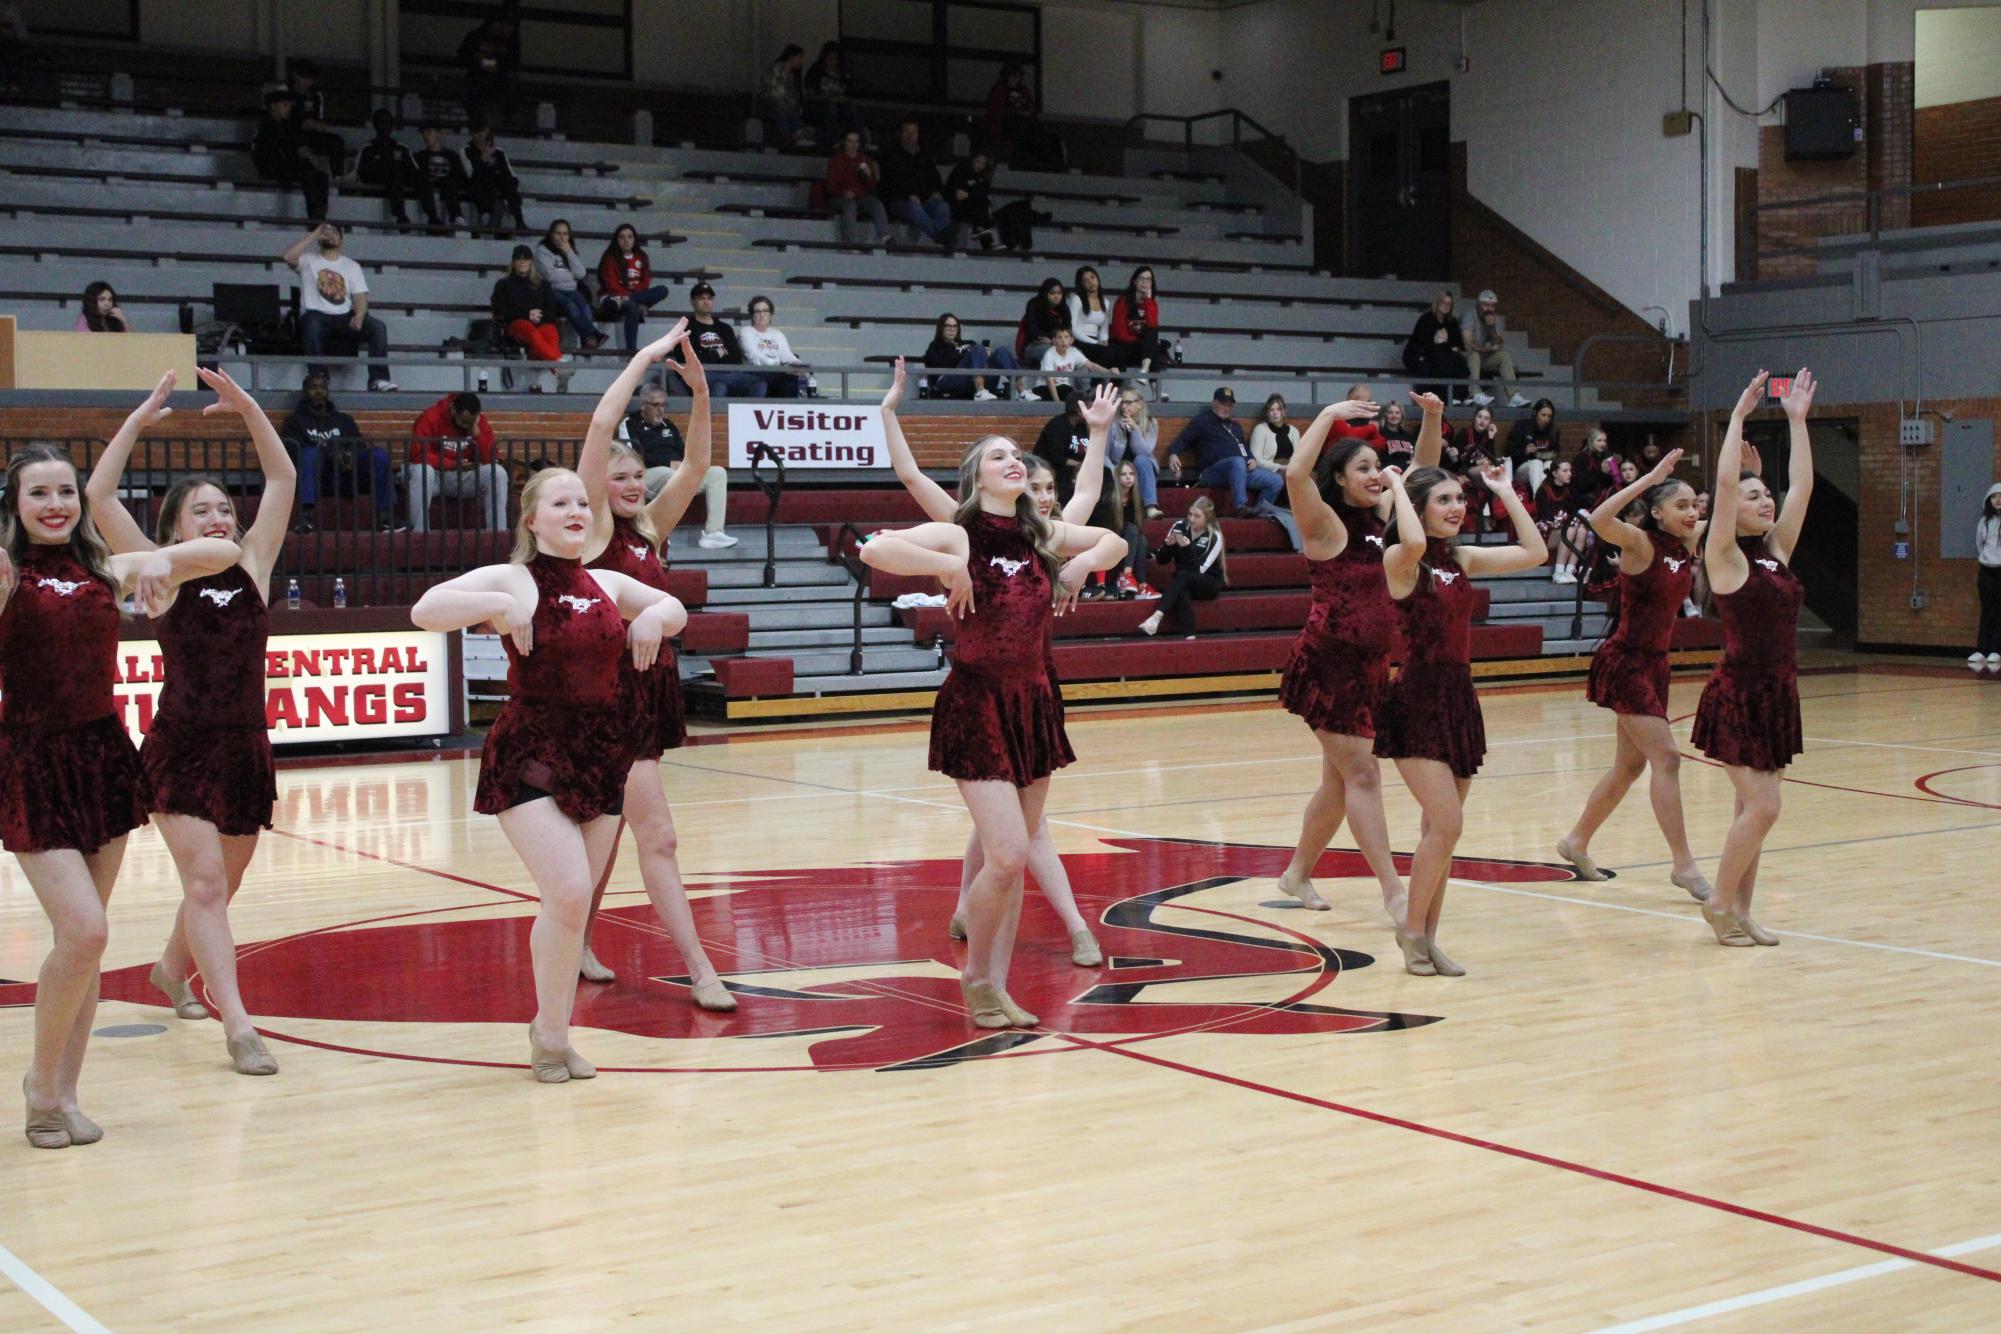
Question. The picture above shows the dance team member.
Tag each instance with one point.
(997, 725)
(1341, 659)
(1749, 716)
(207, 755)
(1429, 719)
(1630, 674)
(556, 761)
(71, 787)
(1043, 861)
(626, 535)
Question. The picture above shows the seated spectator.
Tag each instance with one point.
(652, 432)
(330, 451)
(1135, 325)
(1090, 316)
(1132, 439)
(626, 290)
(910, 186)
(767, 346)
(492, 182)
(280, 155)
(1436, 348)
(569, 282)
(781, 101)
(441, 180)
(387, 165)
(489, 55)
(1596, 471)
(949, 351)
(1487, 348)
(1272, 438)
(333, 303)
(853, 181)
(1014, 120)
(1650, 454)
(830, 94)
(969, 194)
(1194, 551)
(1629, 472)
(1561, 519)
(100, 313)
(715, 343)
(309, 116)
(1125, 513)
(452, 454)
(525, 308)
(1224, 459)
(1533, 443)
(1045, 313)
(1061, 444)
(1481, 437)
(1399, 446)
(1061, 357)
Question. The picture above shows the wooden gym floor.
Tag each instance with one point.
(1250, 1118)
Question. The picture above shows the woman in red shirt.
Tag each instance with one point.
(1135, 325)
(625, 276)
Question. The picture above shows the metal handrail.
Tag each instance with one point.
(859, 570)
(1238, 121)
(773, 489)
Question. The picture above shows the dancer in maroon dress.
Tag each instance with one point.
(1749, 717)
(207, 755)
(1043, 861)
(627, 531)
(70, 783)
(997, 725)
(1342, 656)
(1630, 673)
(1429, 720)
(556, 760)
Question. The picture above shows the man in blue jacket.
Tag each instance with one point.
(1224, 458)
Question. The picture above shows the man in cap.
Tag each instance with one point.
(1223, 457)
(1487, 347)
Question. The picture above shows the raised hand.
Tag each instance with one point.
(1799, 399)
(658, 349)
(155, 407)
(1430, 404)
(894, 398)
(1353, 410)
(1104, 406)
(1070, 585)
(958, 591)
(229, 395)
(692, 372)
(1663, 470)
(1749, 461)
(1499, 477)
(1392, 475)
(153, 584)
(1753, 396)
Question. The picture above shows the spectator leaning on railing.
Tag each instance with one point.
(652, 432)
(853, 181)
(1224, 459)
(328, 448)
(452, 454)
(333, 302)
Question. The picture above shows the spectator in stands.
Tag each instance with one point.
(452, 454)
(1482, 436)
(1061, 444)
(569, 282)
(1045, 314)
(387, 165)
(492, 181)
(1437, 348)
(1487, 350)
(333, 303)
(910, 186)
(441, 179)
(1194, 549)
(1127, 517)
(1629, 472)
(490, 55)
(1063, 356)
(309, 116)
(1560, 516)
(1533, 443)
(625, 283)
(330, 450)
(830, 94)
(652, 432)
(969, 194)
(1223, 458)
(782, 101)
(13, 46)
(949, 351)
(787, 376)
(1133, 437)
(1135, 326)
(100, 313)
(1597, 470)
(854, 179)
(1090, 315)
(1399, 436)
(525, 307)
(1272, 438)
(1014, 120)
(280, 155)
(715, 343)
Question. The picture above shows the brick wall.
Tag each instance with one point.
(1955, 143)
(1885, 101)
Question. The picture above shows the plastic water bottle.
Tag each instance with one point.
(938, 650)
(482, 381)
(291, 595)
(340, 595)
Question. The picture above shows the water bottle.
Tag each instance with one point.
(340, 595)
(482, 381)
(291, 595)
(938, 650)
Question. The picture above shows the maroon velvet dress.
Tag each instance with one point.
(69, 774)
(652, 697)
(1629, 672)
(1431, 711)
(208, 753)
(563, 732)
(1750, 710)
(1341, 659)
(998, 716)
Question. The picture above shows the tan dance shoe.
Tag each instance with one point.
(1586, 868)
(1308, 896)
(1416, 955)
(1698, 888)
(1441, 965)
(1017, 1016)
(983, 1002)
(1729, 930)
(956, 928)
(579, 1068)
(713, 995)
(1084, 951)
(181, 994)
(250, 1056)
(46, 1127)
(1758, 934)
(82, 1130)
(593, 971)
(550, 1067)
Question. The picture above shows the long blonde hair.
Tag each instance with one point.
(525, 546)
(1142, 420)
(86, 544)
(1034, 528)
(1211, 524)
(640, 522)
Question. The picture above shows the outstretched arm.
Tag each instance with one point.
(493, 593)
(936, 549)
(1431, 435)
(1400, 561)
(1098, 414)
(266, 537)
(1087, 550)
(1798, 404)
(1528, 551)
(153, 576)
(653, 616)
(594, 462)
(665, 510)
(1636, 549)
(933, 499)
(1721, 559)
(113, 520)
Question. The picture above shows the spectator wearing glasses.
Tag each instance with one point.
(1133, 438)
(948, 351)
(1135, 325)
(786, 375)
(652, 432)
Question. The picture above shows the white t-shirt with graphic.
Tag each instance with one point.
(1073, 360)
(329, 285)
(769, 348)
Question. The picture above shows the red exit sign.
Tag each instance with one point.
(1777, 387)
(1393, 60)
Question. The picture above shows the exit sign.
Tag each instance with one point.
(1777, 387)
(1393, 60)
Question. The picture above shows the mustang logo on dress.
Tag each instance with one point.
(1674, 566)
(638, 553)
(1008, 567)
(577, 604)
(62, 586)
(1373, 540)
(1771, 565)
(1444, 576)
(221, 597)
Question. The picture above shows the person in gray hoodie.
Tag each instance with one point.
(569, 277)
(1987, 539)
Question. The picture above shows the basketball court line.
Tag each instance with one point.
(50, 1297)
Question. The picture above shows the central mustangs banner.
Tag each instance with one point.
(808, 437)
(345, 687)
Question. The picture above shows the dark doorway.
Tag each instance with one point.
(1828, 557)
(1399, 177)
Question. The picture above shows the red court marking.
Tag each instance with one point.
(1545, 1160)
(1924, 784)
(403, 865)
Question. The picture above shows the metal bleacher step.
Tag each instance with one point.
(792, 574)
(791, 614)
(845, 684)
(778, 643)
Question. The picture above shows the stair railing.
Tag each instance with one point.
(774, 490)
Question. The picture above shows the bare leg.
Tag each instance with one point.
(969, 869)
(1053, 880)
(1031, 800)
(562, 858)
(995, 893)
(1325, 811)
(1628, 763)
(73, 889)
(660, 871)
(1440, 795)
(1349, 766)
(1757, 810)
(1656, 741)
(203, 922)
(588, 966)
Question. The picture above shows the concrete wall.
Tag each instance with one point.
(1959, 55)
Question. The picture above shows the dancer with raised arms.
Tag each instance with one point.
(207, 756)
